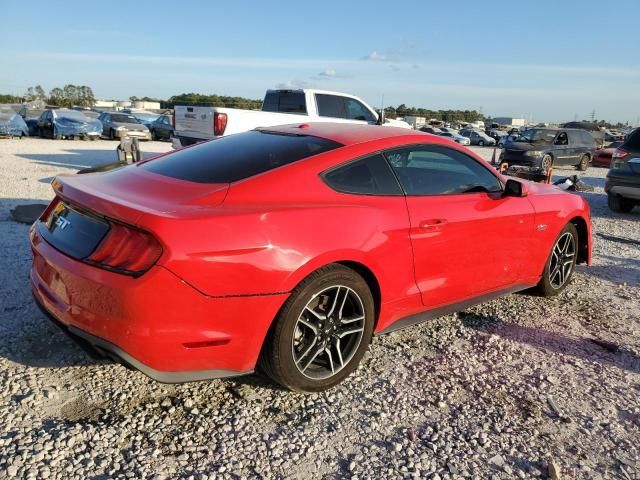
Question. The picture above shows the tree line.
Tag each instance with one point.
(68, 96)
(445, 115)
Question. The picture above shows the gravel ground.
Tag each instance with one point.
(514, 388)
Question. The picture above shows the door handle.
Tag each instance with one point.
(433, 223)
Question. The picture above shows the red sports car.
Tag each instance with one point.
(289, 247)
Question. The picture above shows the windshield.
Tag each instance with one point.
(146, 116)
(123, 118)
(536, 135)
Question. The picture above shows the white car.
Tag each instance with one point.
(455, 137)
(195, 124)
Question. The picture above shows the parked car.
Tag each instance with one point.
(146, 118)
(431, 130)
(497, 134)
(116, 125)
(546, 147)
(208, 261)
(623, 179)
(12, 124)
(67, 123)
(195, 124)
(602, 156)
(162, 128)
(478, 138)
(455, 137)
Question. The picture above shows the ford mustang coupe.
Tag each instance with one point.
(288, 248)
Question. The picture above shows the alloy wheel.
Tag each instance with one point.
(328, 332)
(562, 260)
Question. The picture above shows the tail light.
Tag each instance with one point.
(47, 211)
(617, 157)
(219, 123)
(619, 153)
(126, 250)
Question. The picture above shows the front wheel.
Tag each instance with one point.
(481, 143)
(112, 134)
(584, 163)
(322, 331)
(561, 262)
(547, 163)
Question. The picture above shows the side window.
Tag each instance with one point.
(331, 106)
(562, 139)
(357, 111)
(367, 176)
(440, 171)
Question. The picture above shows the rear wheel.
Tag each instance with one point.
(618, 204)
(112, 134)
(481, 143)
(154, 135)
(561, 262)
(584, 163)
(322, 331)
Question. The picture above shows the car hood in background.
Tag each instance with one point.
(525, 146)
(135, 127)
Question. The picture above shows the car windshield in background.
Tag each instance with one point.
(537, 135)
(236, 157)
(120, 118)
(149, 117)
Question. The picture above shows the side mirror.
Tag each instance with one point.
(381, 118)
(513, 188)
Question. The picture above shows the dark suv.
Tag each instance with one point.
(546, 147)
(623, 180)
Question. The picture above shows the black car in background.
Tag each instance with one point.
(623, 180)
(162, 128)
(544, 148)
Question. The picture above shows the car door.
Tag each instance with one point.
(562, 154)
(467, 238)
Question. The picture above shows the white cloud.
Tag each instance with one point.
(328, 73)
(293, 84)
(375, 57)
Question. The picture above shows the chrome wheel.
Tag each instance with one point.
(547, 163)
(328, 332)
(563, 258)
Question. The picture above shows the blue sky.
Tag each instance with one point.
(548, 60)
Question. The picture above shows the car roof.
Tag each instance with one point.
(344, 133)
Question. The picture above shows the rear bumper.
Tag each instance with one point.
(627, 186)
(156, 323)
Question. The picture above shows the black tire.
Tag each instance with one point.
(584, 163)
(40, 132)
(619, 204)
(154, 135)
(112, 134)
(481, 143)
(547, 162)
(559, 266)
(278, 358)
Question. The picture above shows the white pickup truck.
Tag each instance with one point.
(280, 107)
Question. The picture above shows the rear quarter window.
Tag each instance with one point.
(237, 157)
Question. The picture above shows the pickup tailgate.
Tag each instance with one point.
(194, 122)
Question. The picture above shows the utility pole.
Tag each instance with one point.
(593, 115)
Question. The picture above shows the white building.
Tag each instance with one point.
(415, 122)
(509, 121)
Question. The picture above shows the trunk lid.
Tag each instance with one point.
(87, 206)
